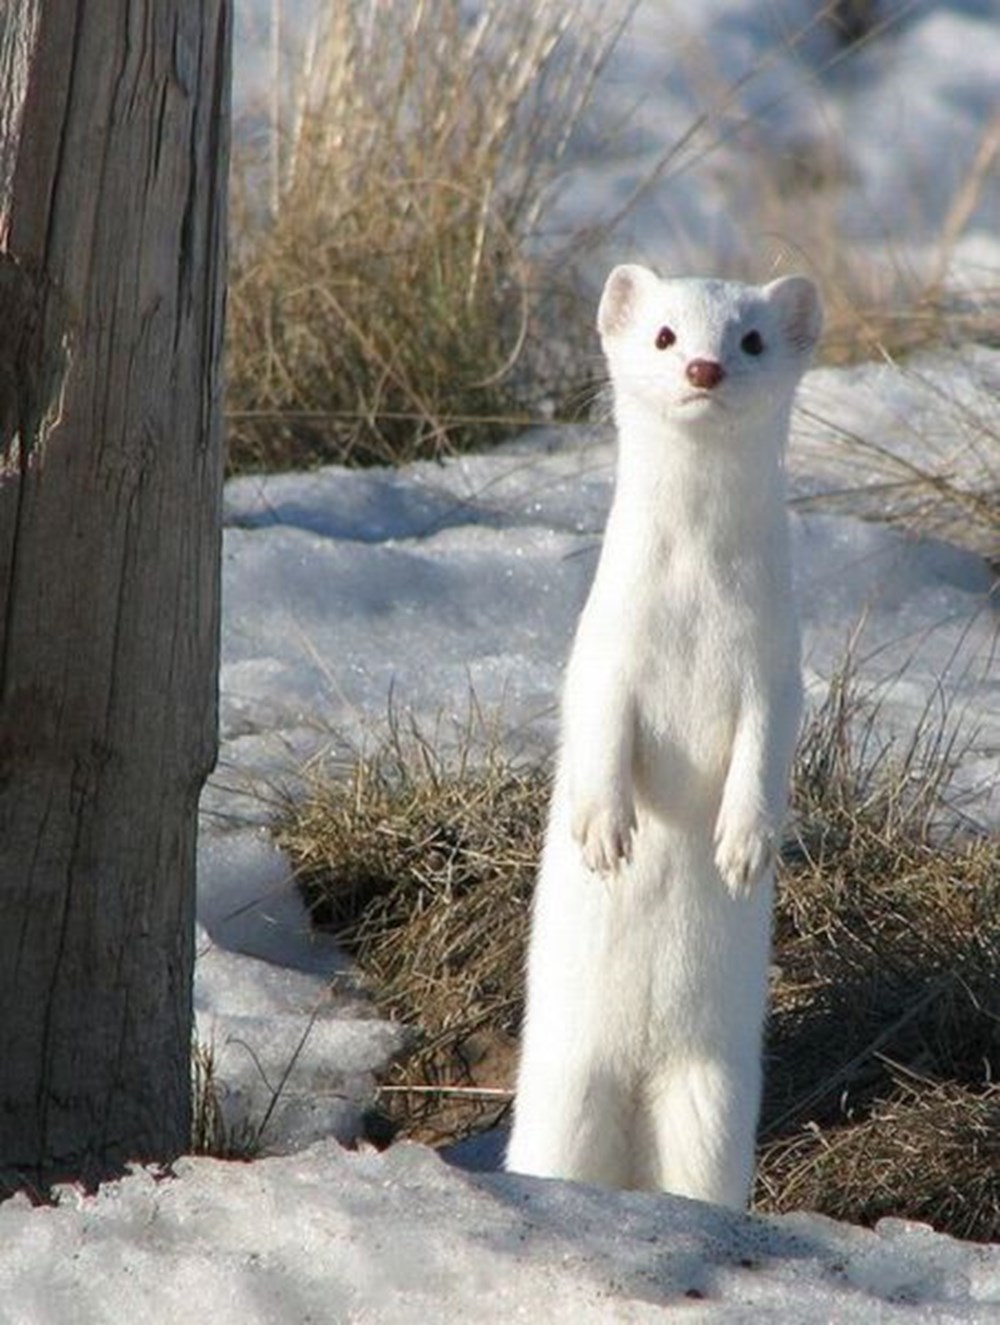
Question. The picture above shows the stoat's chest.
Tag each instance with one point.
(690, 636)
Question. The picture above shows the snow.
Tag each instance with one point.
(327, 1235)
(436, 586)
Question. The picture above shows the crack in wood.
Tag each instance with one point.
(35, 356)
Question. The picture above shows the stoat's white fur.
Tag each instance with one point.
(647, 970)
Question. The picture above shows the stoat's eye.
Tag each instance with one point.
(752, 343)
(665, 338)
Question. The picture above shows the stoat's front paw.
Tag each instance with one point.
(604, 833)
(744, 849)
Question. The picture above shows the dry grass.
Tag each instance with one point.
(884, 1043)
(211, 1134)
(424, 868)
(884, 299)
(388, 307)
(926, 1150)
(887, 307)
(886, 1003)
(943, 480)
(883, 304)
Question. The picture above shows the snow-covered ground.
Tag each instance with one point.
(437, 583)
(331, 1236)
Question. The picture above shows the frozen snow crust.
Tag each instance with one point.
(327, 1235)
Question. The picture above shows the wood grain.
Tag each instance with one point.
(109, 568)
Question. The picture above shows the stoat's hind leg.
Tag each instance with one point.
(697, 1127)
(572, 1123)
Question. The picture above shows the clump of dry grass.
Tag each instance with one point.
(424, 868)
(885, 1033)
(884, 299)
(210, 1132)
(887, 306)
(883, 302)
(928, 1150)
(388, 307)
(884, 1044)
(943, 480)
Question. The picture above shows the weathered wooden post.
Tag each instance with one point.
(113, 159)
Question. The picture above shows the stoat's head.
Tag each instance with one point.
(704, 352)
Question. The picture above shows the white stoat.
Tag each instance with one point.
(647, 968)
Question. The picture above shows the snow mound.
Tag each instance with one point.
(328, 1235)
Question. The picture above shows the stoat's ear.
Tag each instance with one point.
(798, 303)
(621, 297)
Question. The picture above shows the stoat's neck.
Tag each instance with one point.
(718, 486)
